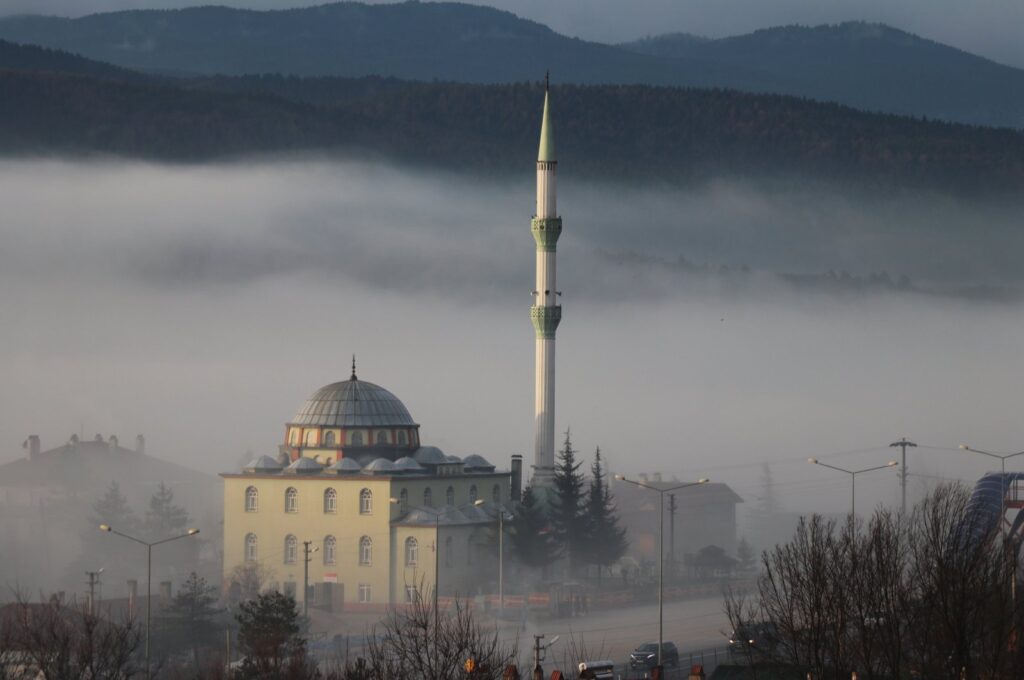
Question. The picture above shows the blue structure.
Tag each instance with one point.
(993, 494)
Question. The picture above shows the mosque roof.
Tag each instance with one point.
(304, 466)
(380, 466)
(475, 463)
(345, 466)
(430, 455)
(353, 403)
(263, 464)
(408, 465)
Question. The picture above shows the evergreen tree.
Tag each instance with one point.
(190, 621)
(567, 514)
(164, 518)
(533, 543)
(269, 637)
(112, 509)
(606, 540)
(745, 554)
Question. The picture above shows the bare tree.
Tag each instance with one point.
(413, 643)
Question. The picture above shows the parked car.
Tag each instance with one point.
(753, 642)
(645, 656)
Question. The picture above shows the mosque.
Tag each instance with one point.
(359, 508)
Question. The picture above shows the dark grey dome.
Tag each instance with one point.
(353, 403)
(430, 455)
(345, 466)
(304, 466)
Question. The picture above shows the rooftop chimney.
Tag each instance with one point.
(140, 444)
(517, 477)
(112, 442)
(32, 444)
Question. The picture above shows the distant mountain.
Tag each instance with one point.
(607, 132)
(868, 66)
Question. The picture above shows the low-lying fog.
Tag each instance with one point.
(202, 305)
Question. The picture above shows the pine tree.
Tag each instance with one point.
(164, 518)
(113, 510)
(533, 542)
(745, 555)
(190, 621)
(270, 639)
(606, 540)
(566, 511)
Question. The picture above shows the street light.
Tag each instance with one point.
(149, 572)
(661, 548)
(853, 478)
(501, 556)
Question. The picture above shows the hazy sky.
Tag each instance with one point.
(202, 305)
(987, 27)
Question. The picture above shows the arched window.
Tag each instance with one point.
(365, 551)
(402, 438)
(293, 437)
(382, 438)
(330, 550)
(403, 500)
(252, 499)
(329, 438)
(412, 552)
(291, 499)
(330, 501)
(472, 493)
(428, 497)
(357, 439)
(250, 547)
(449, 496)
(449, 551)
(496, 493)
(291, 549)
(310, 437)
(365, 502)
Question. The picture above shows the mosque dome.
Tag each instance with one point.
(345, 466)
(430, 455)
(353, 403)
(381, 466)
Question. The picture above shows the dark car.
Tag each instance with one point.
(753, 642)
(646, 656)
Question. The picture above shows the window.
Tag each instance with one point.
(291, 549)
(293, 437)
(291, 499)
(403, 500)
(496, 493)
(411, 594)
(330, 501)
(365, 593)
(357, 439)
(402, 439)
(365, 502)
(250, 547)
(329, 439)
(365, 551)
(252, 499)
(449, 496)
(472, 494)
(412, 552)
(449, 551)
(428, 497)
(330, 550)
(311, 438)
(382, 438)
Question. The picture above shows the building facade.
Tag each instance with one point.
(378, 516)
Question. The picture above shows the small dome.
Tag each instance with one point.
(381, 466)
(345, 466)
(475, 463)
(430, 455)
(263, 464)
(353, 403)
(453, 459)
(304, 466)
(407, 464)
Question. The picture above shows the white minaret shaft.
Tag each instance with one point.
(546, 313)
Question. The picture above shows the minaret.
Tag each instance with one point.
(545, 313)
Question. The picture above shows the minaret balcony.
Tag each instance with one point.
(546, 231)
(545, 320)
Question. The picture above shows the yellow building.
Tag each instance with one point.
(355, 494)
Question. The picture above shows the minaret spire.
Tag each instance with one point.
(353, 368)
(546, 227)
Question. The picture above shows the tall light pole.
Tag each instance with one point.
(307, 552)
(853, 478)
(903, 443)
(149, 573)
(501, 556)
(661, 548)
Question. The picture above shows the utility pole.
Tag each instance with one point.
(93, 582)
(538, 656)
(903, 444)
(672, 531)
(307, 551)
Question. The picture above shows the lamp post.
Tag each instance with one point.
(853, 478)
(661, 548)
(501, 556)
(149, 572)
